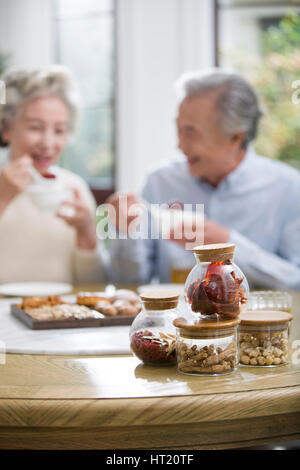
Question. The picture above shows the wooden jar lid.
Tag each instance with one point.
(215, 252)
(159, 300)
(199, 325)
(264, 317)
(205, 328)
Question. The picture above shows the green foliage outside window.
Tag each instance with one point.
(279, 135)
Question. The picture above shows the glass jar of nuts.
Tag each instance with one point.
(216, 287)
(152, 333)
(264, 338)
(206, 347)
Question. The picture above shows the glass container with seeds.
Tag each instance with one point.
(216, 287)
(152, 333)
(264, 338)
(206, 347)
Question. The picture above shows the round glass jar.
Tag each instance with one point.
(216, 287)
(264, 338)
(152, 333)
(270, 300)
(206, 347)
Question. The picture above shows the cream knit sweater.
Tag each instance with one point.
(38, 246)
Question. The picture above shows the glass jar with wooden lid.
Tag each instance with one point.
(216, 286)
(152, 333)
(206, 347)
(264, 338)
(270, 300)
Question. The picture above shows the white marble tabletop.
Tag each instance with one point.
(15, 337)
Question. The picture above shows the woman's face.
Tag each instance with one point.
(40, 130)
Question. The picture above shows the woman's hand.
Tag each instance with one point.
(82, 221)
(14, 178)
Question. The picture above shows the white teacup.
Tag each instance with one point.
(49, 196)
(173, 220)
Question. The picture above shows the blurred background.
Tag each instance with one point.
(126, 55)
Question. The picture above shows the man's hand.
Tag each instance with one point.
(212, 232)
(123, 206)
(215, 233)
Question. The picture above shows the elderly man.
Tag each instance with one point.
(249, 200)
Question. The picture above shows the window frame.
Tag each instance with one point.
(216, 32)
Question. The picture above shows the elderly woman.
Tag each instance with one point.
(249, 200)
(36, 245)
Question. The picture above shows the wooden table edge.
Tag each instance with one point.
(206, 435)
(128, 412)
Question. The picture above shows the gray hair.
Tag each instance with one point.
(23, 86)
(236, 99)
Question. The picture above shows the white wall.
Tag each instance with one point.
(26, 30)
(157, 41)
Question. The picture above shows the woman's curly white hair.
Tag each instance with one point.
(23, 86)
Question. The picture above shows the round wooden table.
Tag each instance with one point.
(114, 402)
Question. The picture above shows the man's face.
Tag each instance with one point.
(210, 153)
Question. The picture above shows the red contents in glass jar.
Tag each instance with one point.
(218, 293)
(152, 349)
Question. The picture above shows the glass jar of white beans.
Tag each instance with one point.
(264, 338)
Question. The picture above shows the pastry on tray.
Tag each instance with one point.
(126, 308)
(123, 302)
(101, 310)
(107, 308)
(90, 299)
(62, 312)
(126, 295)
(53, 307)
(36, 302)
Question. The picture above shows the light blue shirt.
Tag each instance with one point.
(259, 202)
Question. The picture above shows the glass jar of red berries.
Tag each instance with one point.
(216, 288)
(152, 333)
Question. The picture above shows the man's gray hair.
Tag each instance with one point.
(23, 86)
(236, 99)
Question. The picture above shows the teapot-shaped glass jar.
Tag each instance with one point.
(216, 287)
(152, 333)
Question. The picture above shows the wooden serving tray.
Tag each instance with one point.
(20, 314)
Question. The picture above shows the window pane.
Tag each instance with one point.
(90, 155)
(241, 27)
(71, 8)
(264, 45)
(85, 44)
(257, 3)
